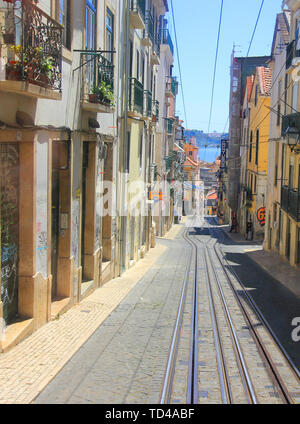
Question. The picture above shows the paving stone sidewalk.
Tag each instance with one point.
(31, 365)
(271, 262)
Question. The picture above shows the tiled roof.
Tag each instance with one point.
(264, 76)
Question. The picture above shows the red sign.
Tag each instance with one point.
(261, 216)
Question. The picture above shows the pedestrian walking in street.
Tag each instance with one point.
(249, 234)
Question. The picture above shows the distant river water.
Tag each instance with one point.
(209, 154)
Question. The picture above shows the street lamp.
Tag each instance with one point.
(292, 134)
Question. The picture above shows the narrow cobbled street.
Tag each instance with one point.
(125, 360)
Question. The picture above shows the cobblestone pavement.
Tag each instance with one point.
(125, 359)
(113, 347)
(30, 366)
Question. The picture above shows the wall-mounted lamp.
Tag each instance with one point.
(292, 136)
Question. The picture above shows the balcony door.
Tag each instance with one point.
(90, 42)
(288, 240)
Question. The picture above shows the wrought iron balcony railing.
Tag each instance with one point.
(292, 120)
(166, 39)
(138, 6)
(149, 26)
(97, 78)
(136, 96)
(148, 103)
(31, 45)
(290, 202)
(291, 53)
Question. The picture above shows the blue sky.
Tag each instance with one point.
(197, 26)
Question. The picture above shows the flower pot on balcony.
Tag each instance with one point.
(13, 72)
(93, 98)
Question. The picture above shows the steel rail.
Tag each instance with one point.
(248, 385)
(170, 369)
(272, 367)
(260, 315)
(192, 391)
(221, 363)
(222, 368)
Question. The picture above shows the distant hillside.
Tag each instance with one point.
(204, 139)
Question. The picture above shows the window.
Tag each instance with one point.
(109, 34)
(257, 147)
(279, 103)
(291, 176)
(283, 165)
(64, 18)
(137, 64)
(127, 167)
(276, 175)
(250, 150)
(141, 151)
(256, 96)
(143, 70)
(90, 24)
(286, 84)
(130, 57)
(295, 97)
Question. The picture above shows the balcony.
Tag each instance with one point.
(148, 36)
(167, 40)
(292, 55)
(155, 56)
(292, 120)
(97, 82)
(31, 52)
(147, 104)
(290, 202)
(136, 96)
(137, 14)
(171, 87)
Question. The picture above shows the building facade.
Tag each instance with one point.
(79, 118)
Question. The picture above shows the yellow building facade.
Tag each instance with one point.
(257, 167)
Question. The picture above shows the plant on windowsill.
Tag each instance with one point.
(102, 94)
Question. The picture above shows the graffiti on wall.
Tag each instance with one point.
(42, 208)
(75, 230)
(9, 187)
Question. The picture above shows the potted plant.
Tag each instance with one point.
(106, 94)
(102, 94)
(94, 95)
(13, 70)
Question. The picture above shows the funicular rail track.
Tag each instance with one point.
(207, 256)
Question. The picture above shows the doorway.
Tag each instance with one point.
(54, 230)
